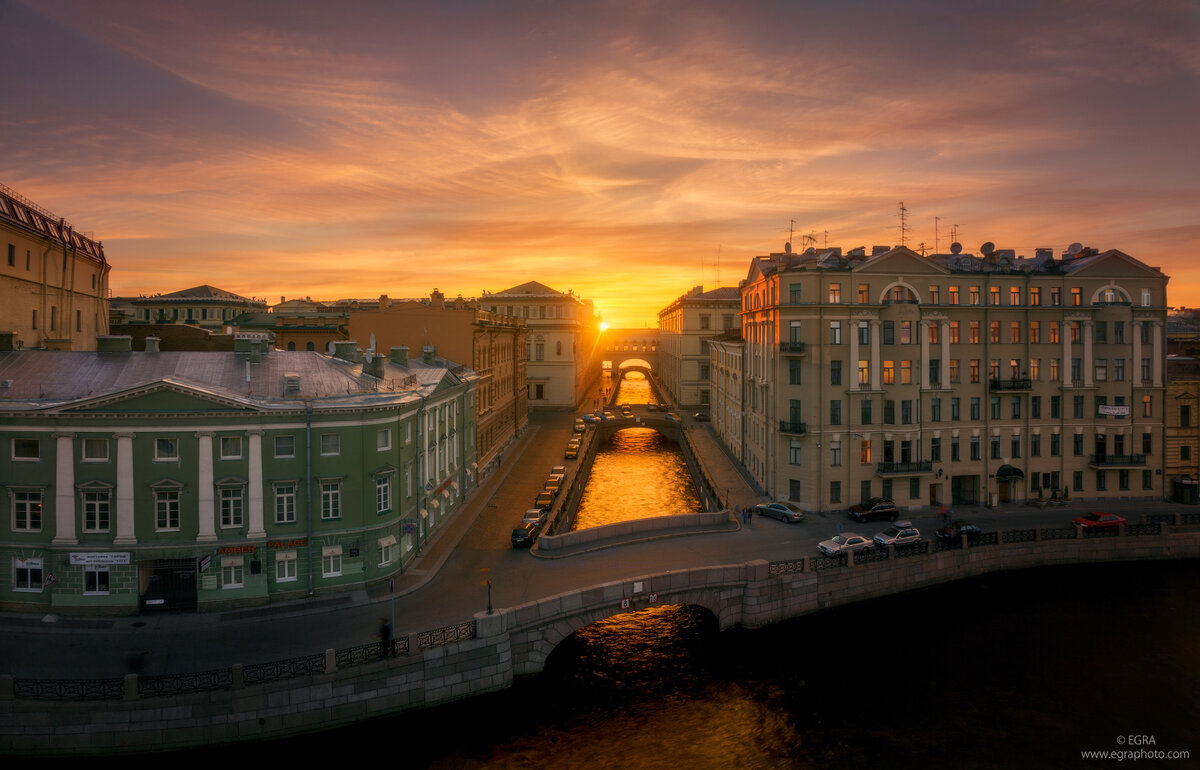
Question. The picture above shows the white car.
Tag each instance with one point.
(900, 533)
(847, 542)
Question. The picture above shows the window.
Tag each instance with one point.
(835, 412)
(1185, 416)
(994, 331)
(1101, 369)
(976, 448)
(1076, 296)
(994, 295)
(974, 333)
(1035, 369)
(1014, 295)
(1016, 407)
(953, 295)
(285, 503)
(1101, 481)
(955, 450)
(285, 446)
(1119, 369)
(1118, 332)
(974, 370)
(995, 442)
(934, 295)
(1077, 407)
(95, 450)
(955, 410)
(1100, 332)
(975, 407)
(1145, 370)
(387, 550)
(1077, 481)
(835, 372)
(835, 293)
(1014, 332)
(864, 294)
(1035, 407)
(231, 507)
(835, 332)
(1147, 406)
(166, 449)
(166, 509)
(383, 494)
(1016, 446)
(935, 410)
(935, 371)
(864, 490)
(1147, 443)
(1035, 296)
(935, 450)
(889, 372)
(285, 566)
(231, 447)
(995, 408)
(835, 491)
(1054, 370)
(864, 452)
(1147, 479)
(1035, 446)
(331, 444)
(935, 332)
(954, 332)
(974, 295)
(96, 510)
(864, 373)
(331, 500)
(1185, 452)
(1122, 479)
(1055, 444)
(27, 510)
(27, 574)
(26, 449)
(794, 452)
(793, 372)
(914, 488)
(232, 572)
(705, 323)
(1076, 369)
(835, 453)
(864, 333)
(331, 561)
(865, 412)
(889, 412)
(793, 294)
(95, 580)
(955, 376)
(1035, 331)
(1077, 444)
(1054, 332)
(906, 412)
(1145, 297)
(906, 372)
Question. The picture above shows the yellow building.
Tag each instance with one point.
(53, 279)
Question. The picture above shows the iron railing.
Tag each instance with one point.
(177, 684)
(789, 567)
(446, 635)
(69, 689)
(260, 673)
(792, 347)
(792, 426)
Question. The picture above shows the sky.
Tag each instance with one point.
(626, 151)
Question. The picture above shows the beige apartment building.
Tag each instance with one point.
(206, 307)
(563, 348)
(492, 344)
(53, 279)
(953, 378)
(685, 328)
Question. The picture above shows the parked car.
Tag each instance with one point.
(554, 484)
(571, 452)
(899, 534)
(957, 529)
(847, 542)
(672, 417)
(545, 500)
(782, 510)
(590, 418)
(609, 415)
(534, 516)
(558, 470)
(881, 508)
(701, 417)
(1099, 520)
(525, 535)
(580, 426)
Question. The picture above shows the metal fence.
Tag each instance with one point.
(69, 689)
(177, 684)
(789, 567)
(261, 673)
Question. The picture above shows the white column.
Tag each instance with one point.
(205, 493)
(256, 486)
(126, 532)
(1156, 329)
(853, 331)
(876, 362)
(1066, 362)
(1089, 330)
(923, 375)
(1137, 354)
(945, 354)
(64, 490)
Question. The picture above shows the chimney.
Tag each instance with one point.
(282, 299)
(114, 343)
(373, 365)
(877, 250)
(437, 300)
(152, 344)
(400, 355)
(347, 350)
(242, 344)
(383, 302)
(7, 341)
(427, 354)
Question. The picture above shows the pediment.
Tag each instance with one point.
(901, 261)
(1115, 264)
(167, 396)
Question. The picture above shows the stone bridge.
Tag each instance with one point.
(631, 350)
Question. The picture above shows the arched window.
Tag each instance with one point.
(309, 346)
(291, 346)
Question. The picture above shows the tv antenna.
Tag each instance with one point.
(903, 214)
(936, 220)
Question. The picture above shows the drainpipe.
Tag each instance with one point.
(308, 490)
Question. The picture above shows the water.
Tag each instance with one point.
(638, 474)
(1022, 670)
(635, 389)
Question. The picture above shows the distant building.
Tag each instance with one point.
(299, 324)
(492, 344)
(53, 279)
(1182, 451)
(727, 380)
(204, 306)
(685, 327)
(954, 378)
(157, 480)
(563, 346)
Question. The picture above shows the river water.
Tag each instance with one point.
(1023, 669)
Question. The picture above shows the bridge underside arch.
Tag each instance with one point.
(633, 365)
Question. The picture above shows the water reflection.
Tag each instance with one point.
(635, 389)
(638, 474)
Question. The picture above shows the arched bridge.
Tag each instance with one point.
(638, 347)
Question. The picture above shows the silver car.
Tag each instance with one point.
(900, 533)
(847, 542)
(782, 510)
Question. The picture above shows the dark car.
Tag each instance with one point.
(525, 535)
(701, 417)
(782, 510)
(881, 508)
(957, 529)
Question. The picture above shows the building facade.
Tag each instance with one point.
(157, 480)
(1182, 450)
(204, 306)
(563, 348)
(493, 345)
(53, 279)
(685, 328)
(727, 409)
(953, 378)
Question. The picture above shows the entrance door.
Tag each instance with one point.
(935, 494)
(167, 584)
(964, 490)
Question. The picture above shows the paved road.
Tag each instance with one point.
(447, 583)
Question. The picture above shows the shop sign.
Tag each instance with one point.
(98, 558)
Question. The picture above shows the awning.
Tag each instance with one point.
(1005, 472)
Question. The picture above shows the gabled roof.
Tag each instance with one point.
(532, 287)
(902, 259)
(1081, 264)
(205, 292)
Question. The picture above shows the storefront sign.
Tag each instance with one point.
(298, 543)
(236, 549)
(96, 559)
(1113, 411)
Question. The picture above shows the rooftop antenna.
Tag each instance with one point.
(826, 244)
(954, 233)
(810, 239)
(921, 248)
(903, 213)
(936, 220)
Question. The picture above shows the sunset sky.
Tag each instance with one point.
(618, 149)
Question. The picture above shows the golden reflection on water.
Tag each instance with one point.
(638, 474)
(634, 391)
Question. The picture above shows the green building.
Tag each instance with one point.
(155, 480)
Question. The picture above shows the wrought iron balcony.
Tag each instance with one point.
(786, 426)
(909, 468)
(1110, 461)
(1025, 384)
(792, 347)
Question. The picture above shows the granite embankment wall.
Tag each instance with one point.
(517, 641)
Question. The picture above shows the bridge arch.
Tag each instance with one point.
(632, 365)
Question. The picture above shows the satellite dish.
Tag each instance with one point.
(987, 249)
(372, 340)
(1075, 248)
(956, 248)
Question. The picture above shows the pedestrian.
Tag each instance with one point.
(385, 639)
(749, 515)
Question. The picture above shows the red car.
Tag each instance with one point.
(1099, 520)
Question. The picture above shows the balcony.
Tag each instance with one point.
(1010, 385)
(1116, 461)
(904, 469)
(798, 348)
(796, 428)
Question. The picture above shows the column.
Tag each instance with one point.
(1088, 332)
(1066, 362)
(126, 532)
(923, 375)
(256, 486)
(1156, 328)
(876, 362)
(853, 331)
(64, 490)
(205, 493)
(1137, 354)
(946, 354)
